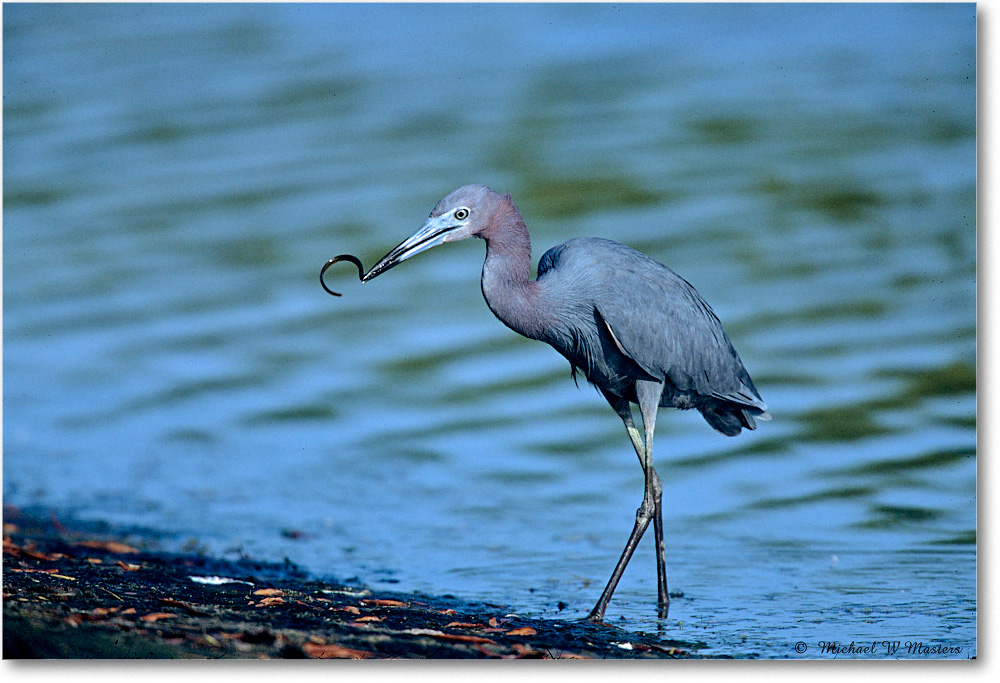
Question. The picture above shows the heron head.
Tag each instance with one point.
(460, 215)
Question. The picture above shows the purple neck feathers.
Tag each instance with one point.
(507, 286)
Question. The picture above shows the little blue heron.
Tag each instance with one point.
(637, 330)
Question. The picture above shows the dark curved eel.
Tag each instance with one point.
(336, 259)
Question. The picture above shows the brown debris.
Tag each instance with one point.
(333, 651)
(269, 591)
(115, 547)
(449, 636)
(523, 631)
(384, 603)
(170, 602)
(117, 611)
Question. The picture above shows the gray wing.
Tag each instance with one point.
(661, 322)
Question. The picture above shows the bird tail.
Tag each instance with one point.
(730, 420)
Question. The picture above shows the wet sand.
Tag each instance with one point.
(71, 591)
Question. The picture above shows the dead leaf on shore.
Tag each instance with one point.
(525, 652)
(32, 571)
(270, 601)
(347, 608)
(523, 631)
(103, 611)
(269, 591)
(463, 624)
(42, 556)
(361, 620)
(333, 651)
(156, 616)
(447, 636)
(110, 546)
(170, 602)
(129, 567)
(385, 603)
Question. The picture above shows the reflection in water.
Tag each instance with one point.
(173, 179)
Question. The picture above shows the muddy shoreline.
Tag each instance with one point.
(73, 591)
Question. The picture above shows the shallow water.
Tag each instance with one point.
(174, 177)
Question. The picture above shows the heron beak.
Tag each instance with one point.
(433, 233)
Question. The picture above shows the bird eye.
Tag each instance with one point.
(462, 214)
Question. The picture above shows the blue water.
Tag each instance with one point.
(174, 177)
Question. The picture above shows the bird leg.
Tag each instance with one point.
(643, 516)
(663, 597)
(650, 509)
(648, 394)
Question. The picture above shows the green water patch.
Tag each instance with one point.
(864, 309)
(858, 421)
(567, 197)
(431, 360)
(787, 379)
(179, 208)
(519, 477)
(32, 196)
(832, 494)
(189, 436)
(841, 203)
(333, 318)
(160, 133)
(892, 516)
(953, 379)
(425, 126)
(250, 251)
(603, 81)
(411, 454)
(176, 394)
(252, 198)
(841, 423)
(923, 461)
(836, 199)
(584, 443)
(308, 412)
(963, 422)
(463, 395)
(960, 538)
(852, 309)
(110, 319)
(472, 425)
(948, 131)
(757, 448)
(185, 391)
(333, 95)
(725, 130)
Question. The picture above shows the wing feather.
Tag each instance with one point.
(657, 319)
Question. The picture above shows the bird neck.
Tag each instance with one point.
(507, 285)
